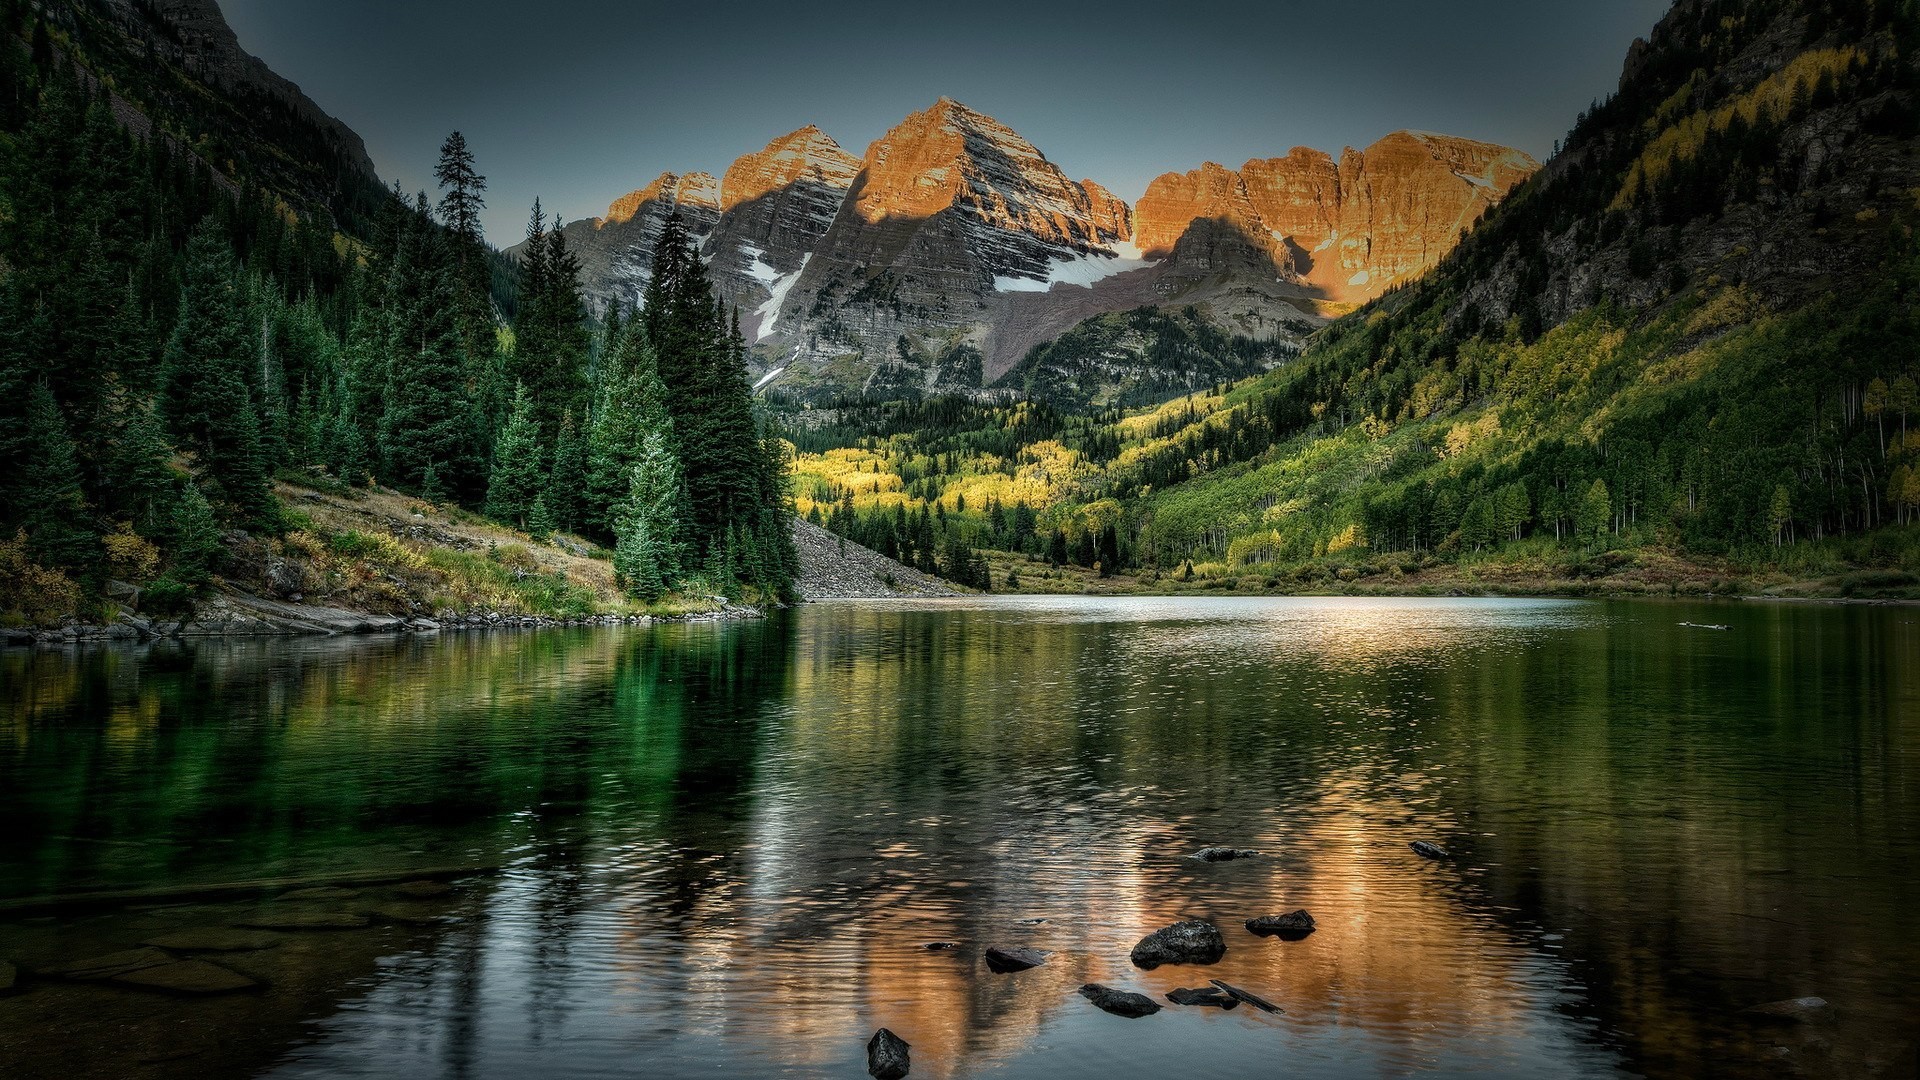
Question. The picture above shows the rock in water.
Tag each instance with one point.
(106, 967)
(322, 892)
(941, 946)
(1209, 995)
(1429, 851)
(8, 973)
(308, 920)
(887, 1056)
(422, 890)
(1119, 1002)
(1292, 926)
(1250, 998)
(1223, 854)
(1190, 942)
(1006, 961)
(187, 977)
(1792, 1011)
(215, 939)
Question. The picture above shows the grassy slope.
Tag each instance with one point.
(389, 554)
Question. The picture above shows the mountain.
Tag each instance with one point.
(176, 67)
(1680, 357)
(1689, 339)
(955, 244)
(1350, 229)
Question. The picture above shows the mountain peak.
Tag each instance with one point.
(808, 154)
(681, 189)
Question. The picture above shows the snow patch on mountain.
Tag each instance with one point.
(1082, 270)
(769, 312)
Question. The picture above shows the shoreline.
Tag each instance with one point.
(368, 625)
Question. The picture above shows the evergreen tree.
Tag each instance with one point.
(517, 474)
(566, 493)
(428, 417)
(46, 489)
(208, 404)
(647, 553)
(539, 519)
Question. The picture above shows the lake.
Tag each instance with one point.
(721, 849)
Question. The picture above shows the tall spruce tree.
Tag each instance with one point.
(208, 404)
(735, 485)
(647, 552)
(428, 418)
(518, 469)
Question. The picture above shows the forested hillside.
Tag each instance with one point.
(1689, 343)
(185, 331)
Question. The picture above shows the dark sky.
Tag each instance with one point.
(579, 101)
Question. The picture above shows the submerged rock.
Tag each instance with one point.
(187, 977)
(216, 939)
(422, 890)
(941, 946)
(324, 892)
(1190, 942)
(1006, 961)
(8, 974)
(1292, 926)
(1119, 1002)
(308, 920)
(1248, 996)
(1223, 854)
(1207, 995)
(888, 1056)
(1429, 851)
(1799, 1010)
(109, 965)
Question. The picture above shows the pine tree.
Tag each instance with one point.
(47, 489)
(428, 417)
(208, 405)
(566, 493)
(517, 474)
(647, 553)
(539, 519)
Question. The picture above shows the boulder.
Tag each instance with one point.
(325, 892)
(216, 939)
(1292, 926)
(1190, 942)
(308, 920)
(109, 965)
(1799, 1010)
(1208, 995)
(187, 977)
(1249, 997)
(888, 1056)
(1429, 851)
(1006, 961)
(1119, 1002)
(1223, 854)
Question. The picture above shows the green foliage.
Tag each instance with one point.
(648, 552)
(518, 471)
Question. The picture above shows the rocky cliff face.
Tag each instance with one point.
(1348, 230)
(954, 231)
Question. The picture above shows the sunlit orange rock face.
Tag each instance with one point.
(951, 157)
(695, 189)
(806, 156)
(1353, 228)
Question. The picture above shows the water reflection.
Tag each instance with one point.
(725, 846)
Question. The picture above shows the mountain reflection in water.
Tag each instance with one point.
(725, 846)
